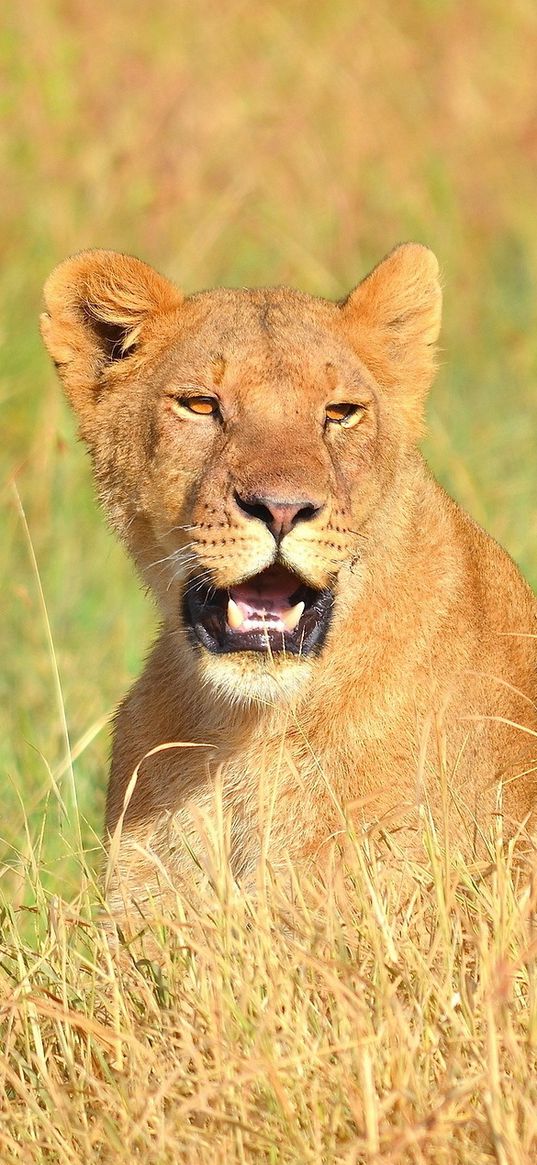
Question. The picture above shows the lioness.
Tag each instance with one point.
(337, 633)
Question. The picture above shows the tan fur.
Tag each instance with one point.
(424, 691)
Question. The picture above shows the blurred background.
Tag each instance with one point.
(239, 143)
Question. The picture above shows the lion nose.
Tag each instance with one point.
(279, 516)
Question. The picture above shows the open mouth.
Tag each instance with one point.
(273, 611)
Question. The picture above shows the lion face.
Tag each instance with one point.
(246, 444)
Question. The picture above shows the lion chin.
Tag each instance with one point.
(244, 680)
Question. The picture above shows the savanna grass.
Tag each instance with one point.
(369, 1020)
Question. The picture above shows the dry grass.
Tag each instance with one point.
(378, 1028)
(253, 143)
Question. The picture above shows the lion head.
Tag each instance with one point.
(251, 447)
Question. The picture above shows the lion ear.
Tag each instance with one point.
(97, 303)
(393, 318)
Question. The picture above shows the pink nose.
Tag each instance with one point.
(279, 516)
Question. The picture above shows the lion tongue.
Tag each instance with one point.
(252, 607)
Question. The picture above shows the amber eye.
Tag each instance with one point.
(201, 406)
(345, 414)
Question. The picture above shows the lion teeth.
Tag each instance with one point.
(235, 616)
(237, 619)
(292, 618)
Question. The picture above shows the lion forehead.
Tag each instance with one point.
(255, 336)
(266, 307)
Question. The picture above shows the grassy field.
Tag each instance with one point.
(249, 144)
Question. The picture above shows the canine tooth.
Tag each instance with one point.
(235, 616)
(292, 618)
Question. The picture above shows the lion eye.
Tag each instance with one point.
(345, 414)
(201, 406)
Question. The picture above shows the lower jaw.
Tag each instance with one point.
(278, 647)
(262, 644)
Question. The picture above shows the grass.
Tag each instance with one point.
(373, 1029)
(267, 143)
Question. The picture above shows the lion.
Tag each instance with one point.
(339, 641)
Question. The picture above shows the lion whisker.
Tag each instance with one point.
(178, 553)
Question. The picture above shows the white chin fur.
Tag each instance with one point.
(266, 682)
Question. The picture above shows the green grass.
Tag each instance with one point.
(265, 143)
